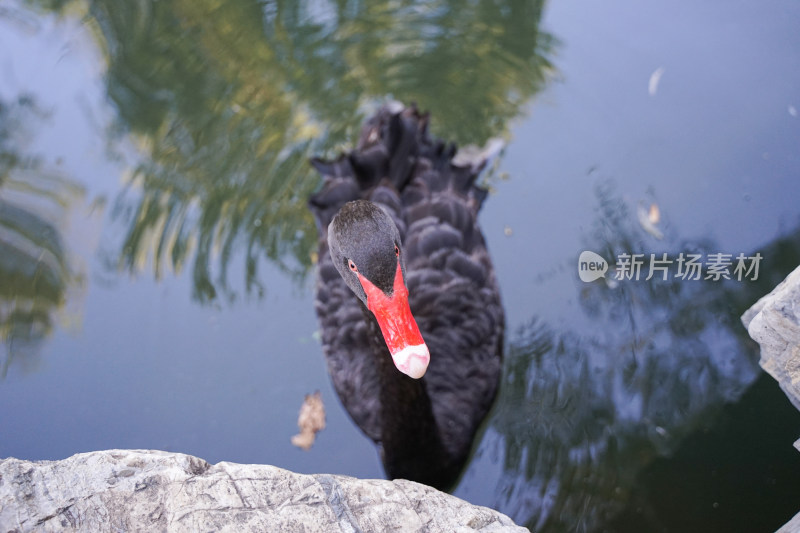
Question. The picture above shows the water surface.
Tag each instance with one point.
(156, 254)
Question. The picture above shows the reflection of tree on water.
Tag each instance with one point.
(584, 410)
(34, 272)
(474, 64)
(230, 100)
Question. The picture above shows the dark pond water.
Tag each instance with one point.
(156, 273)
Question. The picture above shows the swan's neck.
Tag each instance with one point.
(411, 442)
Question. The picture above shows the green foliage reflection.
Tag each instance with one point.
(229, 99)
(34, 270)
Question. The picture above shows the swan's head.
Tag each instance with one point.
(366, 250)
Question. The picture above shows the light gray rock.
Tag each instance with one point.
(140, 490)
(774, 322)
(792, 526)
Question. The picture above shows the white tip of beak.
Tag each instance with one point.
(412, 360)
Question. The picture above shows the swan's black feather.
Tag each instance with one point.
(453, 291)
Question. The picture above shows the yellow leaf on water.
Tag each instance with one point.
(654, 214)
(310, 421)
(648, 218)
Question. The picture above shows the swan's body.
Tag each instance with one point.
(424, 427)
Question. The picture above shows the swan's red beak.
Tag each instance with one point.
(409, 352)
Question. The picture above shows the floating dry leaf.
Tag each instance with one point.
(310, 421)
(648, 218)
(655, 78)
(654, 215)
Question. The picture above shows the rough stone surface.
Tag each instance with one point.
(140, 490)
(774, 322)
(792, 526)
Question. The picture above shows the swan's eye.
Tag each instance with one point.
(352, 265)
(396, 251)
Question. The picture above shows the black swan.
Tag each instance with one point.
(397, 226)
